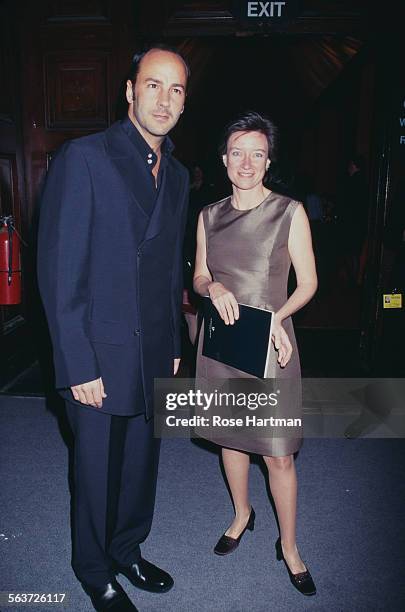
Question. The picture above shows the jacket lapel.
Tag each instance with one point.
(124, 158)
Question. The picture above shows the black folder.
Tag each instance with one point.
(243, 345)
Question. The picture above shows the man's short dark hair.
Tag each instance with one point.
(138, 57)
(253, 122)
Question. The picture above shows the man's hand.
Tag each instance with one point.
(90, 393)
(176, 366)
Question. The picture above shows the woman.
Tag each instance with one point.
(245, 246)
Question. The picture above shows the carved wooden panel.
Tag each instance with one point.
(78, 10)
(7, 110)
(5, 101)
(77, 91)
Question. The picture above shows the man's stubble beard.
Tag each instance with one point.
(149, 126)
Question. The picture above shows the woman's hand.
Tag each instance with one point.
(281, 343)
(225, 302)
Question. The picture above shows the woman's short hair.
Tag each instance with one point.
(252, 122)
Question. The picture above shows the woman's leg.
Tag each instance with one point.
(283, 485)
(236, 464)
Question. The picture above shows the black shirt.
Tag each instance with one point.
(147, 192)
(148, 189)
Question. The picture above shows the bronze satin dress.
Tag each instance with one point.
(247, 252)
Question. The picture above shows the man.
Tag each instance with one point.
(201, 194)
(109, 267)
(353, 205)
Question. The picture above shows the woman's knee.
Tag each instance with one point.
(279, 464)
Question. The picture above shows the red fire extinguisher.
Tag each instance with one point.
(10, 263)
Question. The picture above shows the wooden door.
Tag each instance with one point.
(69, 60)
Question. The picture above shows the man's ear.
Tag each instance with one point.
(129, 92)
(224, 160)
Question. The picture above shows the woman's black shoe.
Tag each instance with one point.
(303, 580)
(226, 544)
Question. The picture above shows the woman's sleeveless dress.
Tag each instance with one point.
(247, 251)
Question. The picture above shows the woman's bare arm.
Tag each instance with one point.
(303, 260)
(202, 276)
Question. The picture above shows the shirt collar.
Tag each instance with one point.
(146, 152)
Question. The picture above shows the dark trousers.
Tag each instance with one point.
(115, 468)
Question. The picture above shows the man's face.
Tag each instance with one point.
(246, 159)
(352, 168)
(157, 99)
(198, 174)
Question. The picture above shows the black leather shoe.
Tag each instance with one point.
(111, 597)
(147, 576)
(303, 580)
(226, 544)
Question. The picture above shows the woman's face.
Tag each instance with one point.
(246, 159)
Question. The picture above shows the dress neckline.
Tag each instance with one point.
(241, 210)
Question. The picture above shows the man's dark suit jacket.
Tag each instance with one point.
(110, 275)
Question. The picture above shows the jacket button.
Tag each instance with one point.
(137, 332)
(138, 252)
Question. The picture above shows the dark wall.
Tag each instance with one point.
(13, 318)
(62, 66)
(340, 124)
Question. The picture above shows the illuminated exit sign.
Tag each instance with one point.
(249, 11)
(265, 9)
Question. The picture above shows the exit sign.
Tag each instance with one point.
(251, 12)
